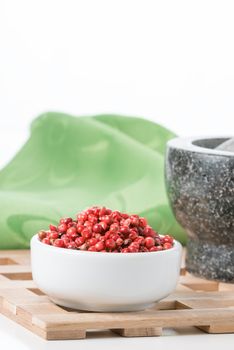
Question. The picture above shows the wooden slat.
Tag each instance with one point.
(16, 272)
(207, 303)
(7, 261)
(63, 335)
(184, 295)
(218, 329)
(139, 332)
(18, 256)
(3, 280)
(15, 269)
(211, 303)
(28, 325)
(171, 318)
(5, 283)
(226, 287)
(196, 283)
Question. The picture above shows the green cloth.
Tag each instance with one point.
(70, 163)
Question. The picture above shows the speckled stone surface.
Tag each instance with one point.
(200, 186)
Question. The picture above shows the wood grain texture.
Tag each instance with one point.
(208, 305)
(139, 332)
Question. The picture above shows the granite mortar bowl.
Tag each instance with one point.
(200, 187)
(97, 281)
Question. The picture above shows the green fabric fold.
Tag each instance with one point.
(70, 163)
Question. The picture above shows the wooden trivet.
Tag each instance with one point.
(208, 305)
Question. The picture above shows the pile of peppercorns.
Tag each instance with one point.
(103, 230)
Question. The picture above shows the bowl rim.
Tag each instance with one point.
(34, 240)
(186, 143)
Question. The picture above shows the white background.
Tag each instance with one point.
(169, 61)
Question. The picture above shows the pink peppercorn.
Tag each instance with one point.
(103, 230)
(99, 246)
(52, 227)
(92, 241)
(79, 241)
(42, 235)
(97, 228)
(62, 228)
(46, 240)
(53, 235)
(110, 243)
(71, 232)
(149, 242)
(59, 243)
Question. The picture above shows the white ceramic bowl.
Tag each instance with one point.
(97, 281)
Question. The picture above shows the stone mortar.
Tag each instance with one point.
(200, 186)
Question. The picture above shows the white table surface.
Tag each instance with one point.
(14, 336)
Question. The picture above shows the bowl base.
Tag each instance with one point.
(101, 308)
(215, 262)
